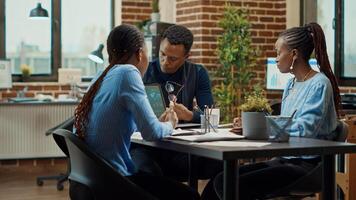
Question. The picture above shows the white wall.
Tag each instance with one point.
(293, 13)
(168, 10)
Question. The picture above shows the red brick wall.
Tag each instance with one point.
(53, 89)
(268, 19)
(135, 11)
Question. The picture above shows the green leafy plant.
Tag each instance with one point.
(256, 102)
(238, 59)
(142, 24)
(155, 6)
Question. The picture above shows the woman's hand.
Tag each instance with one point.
(172, 117)
(169, 116)
(237, 122)
(237, 126)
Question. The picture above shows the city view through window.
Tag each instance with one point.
(28, 41)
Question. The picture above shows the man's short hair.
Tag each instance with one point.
(178, 34)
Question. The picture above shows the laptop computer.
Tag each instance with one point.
(156, 99)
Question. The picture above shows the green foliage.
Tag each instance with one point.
(155, 6)
(142, 24)
(237, 58)
(256, 102)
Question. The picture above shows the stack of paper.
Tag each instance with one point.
(222, 134)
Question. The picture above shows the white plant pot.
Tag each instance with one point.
(254, 125)
(155, 17)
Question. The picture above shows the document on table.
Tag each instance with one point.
(222, 134)
(194, 135)
(235, 144)
(176, 132)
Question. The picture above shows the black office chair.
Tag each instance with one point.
(92, 177)
(61, 178)
(309, 184)
(276, 108)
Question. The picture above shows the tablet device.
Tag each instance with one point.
(155, 97)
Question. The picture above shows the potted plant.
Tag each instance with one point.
(155, 16)
(254, 110)
(238, 59)
(25, 72)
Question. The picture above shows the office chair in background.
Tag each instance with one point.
(309, 184)
(61, 178)
(92, 177)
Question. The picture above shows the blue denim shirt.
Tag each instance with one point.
(120, 107)
(313, 99)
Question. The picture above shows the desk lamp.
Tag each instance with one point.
(97, 56)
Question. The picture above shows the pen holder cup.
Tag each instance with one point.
(277, 127)
(204, 125)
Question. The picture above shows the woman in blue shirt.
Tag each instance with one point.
(116, 106)
(315, 98)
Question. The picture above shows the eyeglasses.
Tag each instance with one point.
(171, 87)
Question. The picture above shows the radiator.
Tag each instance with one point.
(23, 127)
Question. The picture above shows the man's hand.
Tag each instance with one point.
(182, 112)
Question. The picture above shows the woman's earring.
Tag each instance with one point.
(292, 67)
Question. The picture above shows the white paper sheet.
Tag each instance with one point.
(222, 134)
(235, 144)
(5, 74)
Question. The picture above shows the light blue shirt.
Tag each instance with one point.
(313, 99)
(120, 107)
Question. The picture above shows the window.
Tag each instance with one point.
(72, 31)
(345, 43)
(324, 8)
(28, 42)
(337, 19)
(349, 70)
(82, 34)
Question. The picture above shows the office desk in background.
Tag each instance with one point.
(23, 127)
(230, 154)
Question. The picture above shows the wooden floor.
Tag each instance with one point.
(19, 183)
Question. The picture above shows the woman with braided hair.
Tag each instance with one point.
(313, 97)
(116, 105)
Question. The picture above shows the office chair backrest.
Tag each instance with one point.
(342, 131)
(92, 171)
(311, 183)
(60, 141)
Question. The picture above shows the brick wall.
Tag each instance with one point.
(53, 89)
(135, 11)
(268, 19)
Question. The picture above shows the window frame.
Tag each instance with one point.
(339, 39)
(340, 45)
(56, 40)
